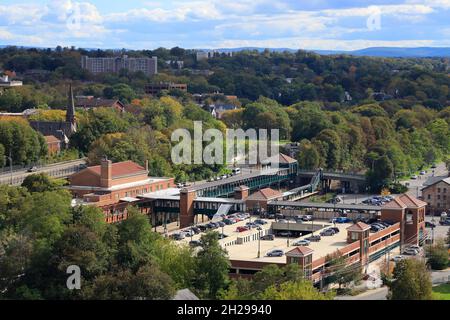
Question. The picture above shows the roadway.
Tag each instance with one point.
(56, 170)
(415, 185)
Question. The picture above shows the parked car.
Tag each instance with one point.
(236, 171)
(327, 232)
(284, 234)
(179, 236)
(196, 230)
(374, 228)
(261, 222)
(222, 236)
(307, 217)
(212, 225)
(282, 221)
(188, 232)
(397, 258)
(380, 225)
(270, 216)
(251, 225)
(433, 166)
(343, 220)
(269, 237)
(32, 169)
(202, 227)
(221, 223)
(335, 229)
(275, 253)
(195, 243)
(415, 247)
(410, 252)
(242, 229)
(314, 238)
(414, 177)
(423, 173)
(228, 221)
(302, 242)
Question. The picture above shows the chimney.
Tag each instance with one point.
(106, 173)
(241, 193)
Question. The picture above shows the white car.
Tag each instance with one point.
(414, 177)
(411, 252)
(397, 258)
(302, 242)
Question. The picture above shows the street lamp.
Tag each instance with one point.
(259, 241)
(289, 232)
(223, 225)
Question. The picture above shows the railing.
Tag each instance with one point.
(56, 173)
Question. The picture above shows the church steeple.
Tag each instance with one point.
(70, 113)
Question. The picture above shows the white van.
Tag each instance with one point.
(236, 170)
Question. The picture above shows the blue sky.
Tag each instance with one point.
(148, 24)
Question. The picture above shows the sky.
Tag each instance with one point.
(295, 24)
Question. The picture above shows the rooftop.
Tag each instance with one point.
(359, 226)
(121, 169)
(265, 194)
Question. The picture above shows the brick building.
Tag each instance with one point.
(356, 243)
(437, 195)
(54, 145)
(109, 184)
(89, 102)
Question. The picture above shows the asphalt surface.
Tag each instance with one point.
(57, 170)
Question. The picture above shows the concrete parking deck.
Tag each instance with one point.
(326, 245)
(249, 250)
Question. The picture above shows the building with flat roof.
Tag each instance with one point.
(149, 66)
(356, 243)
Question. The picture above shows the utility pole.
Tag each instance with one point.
(289, 232)
(259, 242)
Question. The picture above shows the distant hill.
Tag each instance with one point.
(420, 52)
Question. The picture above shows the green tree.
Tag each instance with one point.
(41, 182)
(308, 157)
(298, 290)
(438, 256)
(411, 281)
(340, 272)
(212, 267)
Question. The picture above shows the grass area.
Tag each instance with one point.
(322, 198)
(442, 292)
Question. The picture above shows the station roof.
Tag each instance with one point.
(340, 206)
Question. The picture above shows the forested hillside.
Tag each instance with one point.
(386, 116)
